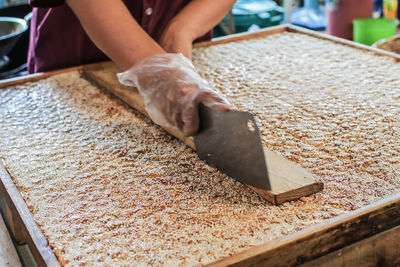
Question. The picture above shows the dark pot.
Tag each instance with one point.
(11, 30)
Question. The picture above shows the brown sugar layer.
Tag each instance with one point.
(106, 185)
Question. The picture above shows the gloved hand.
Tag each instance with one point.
(171, 89)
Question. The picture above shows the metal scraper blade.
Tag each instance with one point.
(230, 141)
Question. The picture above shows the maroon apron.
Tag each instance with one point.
(57, 40)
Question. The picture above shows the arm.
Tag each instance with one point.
(168, 83)
(114, 31)
(196, 19)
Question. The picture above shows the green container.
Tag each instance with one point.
(246, 13)
(368, 31)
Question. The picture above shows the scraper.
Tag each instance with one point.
(230, 141)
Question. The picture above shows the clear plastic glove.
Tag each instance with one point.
(172, 89)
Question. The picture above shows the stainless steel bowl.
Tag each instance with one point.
(10, 31)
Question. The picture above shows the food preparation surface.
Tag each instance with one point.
(106, 185)
(331, 108)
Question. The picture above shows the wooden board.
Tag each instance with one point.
(294, 249)
(379, 250)
(288, 181)
(24, 224)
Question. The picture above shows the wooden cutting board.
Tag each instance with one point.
(288, 181)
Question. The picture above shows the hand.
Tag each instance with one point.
(192, 22)
(177, 41)
(172, 89)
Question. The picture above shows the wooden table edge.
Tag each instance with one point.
(302, 246)
(34, 237)
(296, 29)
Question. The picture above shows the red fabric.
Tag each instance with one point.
(57, 40)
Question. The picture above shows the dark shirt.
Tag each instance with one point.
(57, 40)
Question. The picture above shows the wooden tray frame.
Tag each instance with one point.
(294, 249)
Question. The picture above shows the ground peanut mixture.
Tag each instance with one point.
(107, 186)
